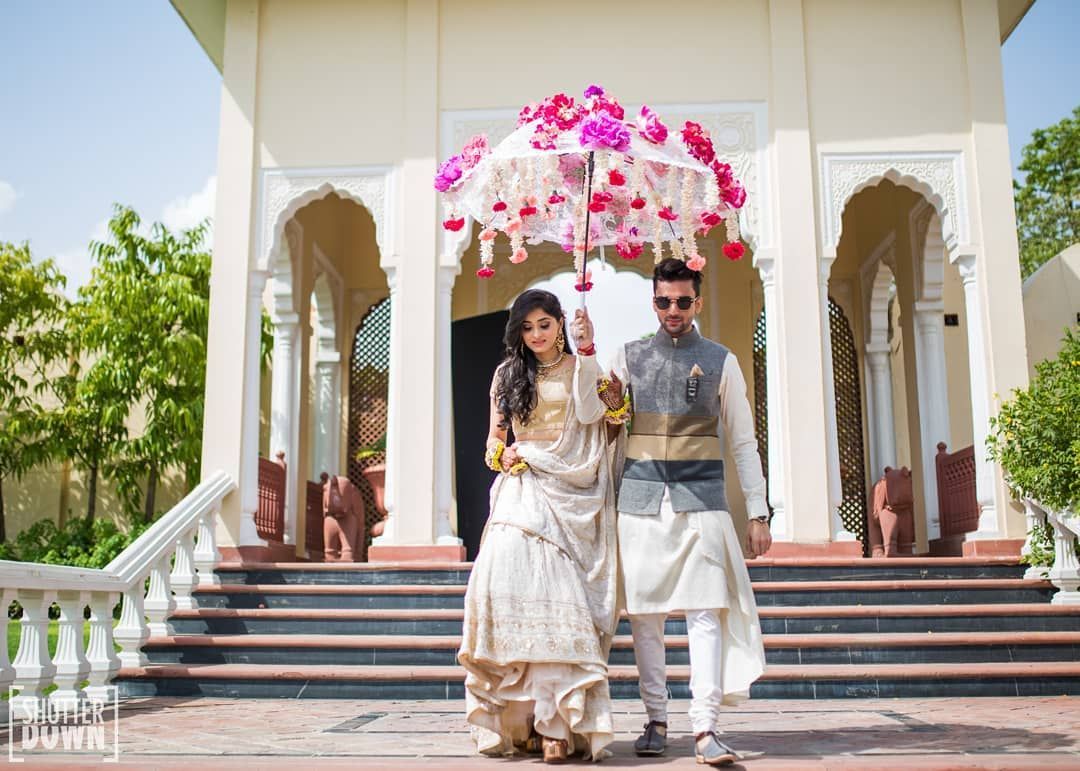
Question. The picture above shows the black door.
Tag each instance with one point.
(476, 350)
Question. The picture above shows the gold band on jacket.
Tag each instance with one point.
(659, 424)
(674, 447)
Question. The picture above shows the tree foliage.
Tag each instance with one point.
(1048, 203)
(141, 323)
(1036, 434)
(137, 346)
(31, 341)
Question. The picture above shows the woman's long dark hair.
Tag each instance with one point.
(515, 387)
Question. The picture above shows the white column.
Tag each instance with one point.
(980, 412)
(282, 407)
(881, 415)
(836, 495)
(781, 529)
(327, 410)
(933, 401)
(249, 463)
(444, 415)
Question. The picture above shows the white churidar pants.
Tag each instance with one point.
(705, 635)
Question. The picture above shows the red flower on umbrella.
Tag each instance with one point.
(734, 250)
(485, 272)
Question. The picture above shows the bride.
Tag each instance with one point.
(540, 610)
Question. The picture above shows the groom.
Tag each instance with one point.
(678, 548)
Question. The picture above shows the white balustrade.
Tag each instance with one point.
(1064, 573)
(178, 553)
(72, 667)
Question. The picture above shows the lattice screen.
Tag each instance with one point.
(761, 396)
(849, 426)
(369, 392)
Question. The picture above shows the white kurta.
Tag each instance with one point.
(694, 560)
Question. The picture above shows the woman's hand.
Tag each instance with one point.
(510, 457)
(581, 329)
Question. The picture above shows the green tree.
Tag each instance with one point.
(31, 341)
(1036, 434)
(143, 320)
(1048, 203)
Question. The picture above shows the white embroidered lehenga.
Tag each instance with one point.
(541, 607)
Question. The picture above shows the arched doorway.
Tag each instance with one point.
(849, 423)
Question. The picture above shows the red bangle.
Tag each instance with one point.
(590, 351)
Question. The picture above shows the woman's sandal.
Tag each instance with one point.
(555, 750)
(533, 745)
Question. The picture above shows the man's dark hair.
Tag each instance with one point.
(673, 269)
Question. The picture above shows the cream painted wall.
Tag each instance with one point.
(507, 54)
(330, 82)
(892, 60)
(1051, 304)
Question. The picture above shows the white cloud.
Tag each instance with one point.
(182, 212)
(188, 211)
(7, 196)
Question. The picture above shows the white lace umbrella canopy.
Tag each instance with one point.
(579, 175)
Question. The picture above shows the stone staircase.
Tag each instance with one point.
(914, 627)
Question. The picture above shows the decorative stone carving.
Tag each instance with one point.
(939, 177)
(286, 191)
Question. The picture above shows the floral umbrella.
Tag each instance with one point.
(581, 176)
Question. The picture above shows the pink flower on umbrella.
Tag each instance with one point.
(561, 111)
(602, 132)
(528, 114)
(667, 214)
(485, 272)
(454, 224)
(585, 283)
(651, 128)
(598, 102)
(616, 178)
(519, 256)
(722, 170)
(698, 143)
(697, 262)
(449, 173)
(594, 90)
(544, 136)
(734, 196)
(475, 149)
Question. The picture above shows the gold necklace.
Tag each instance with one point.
(543, 369)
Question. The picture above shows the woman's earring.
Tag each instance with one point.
(560, 341)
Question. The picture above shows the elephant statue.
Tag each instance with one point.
(891, 526)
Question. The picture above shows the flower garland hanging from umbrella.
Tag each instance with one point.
(581, 176)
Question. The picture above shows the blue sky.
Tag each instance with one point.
(114, 101)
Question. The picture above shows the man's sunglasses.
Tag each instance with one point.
(663, 303)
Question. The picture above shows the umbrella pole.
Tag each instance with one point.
(588, 198)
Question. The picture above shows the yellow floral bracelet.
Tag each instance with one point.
(494, 455)
(621, 414)
(493, 459)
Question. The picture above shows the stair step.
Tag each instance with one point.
(1002, 617)
(437, 682)
(767, 593)
(780, 649)
(762, 569)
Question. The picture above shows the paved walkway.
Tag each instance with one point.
(994, 733)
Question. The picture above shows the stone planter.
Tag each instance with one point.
(376, 477)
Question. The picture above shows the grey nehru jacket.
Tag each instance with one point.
(675, 432)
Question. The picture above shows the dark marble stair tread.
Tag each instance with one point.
(622, 641)
(348, 672)
(775, 611)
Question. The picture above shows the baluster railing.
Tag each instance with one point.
(34, 669)
(100, 652)
(72, 667)
(176, 555)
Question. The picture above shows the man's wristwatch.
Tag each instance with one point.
(763, 519)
